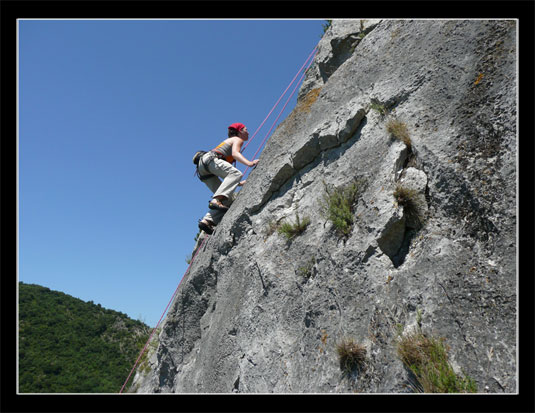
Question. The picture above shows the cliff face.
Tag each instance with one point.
(261, 313)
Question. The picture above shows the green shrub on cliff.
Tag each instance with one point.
(291, 230)
(427, 358)
(339, 203)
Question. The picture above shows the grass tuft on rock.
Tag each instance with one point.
(352, 355)
(408, 198)
(379, 108)
(398, 130)
(291, 230)
(427, 358)
(338, 205)
(305, 270)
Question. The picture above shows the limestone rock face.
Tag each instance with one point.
(258, 313)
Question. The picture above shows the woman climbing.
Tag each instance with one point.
(216, 164)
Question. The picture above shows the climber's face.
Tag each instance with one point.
(244, 133)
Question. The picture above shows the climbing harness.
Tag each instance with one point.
(198, 159)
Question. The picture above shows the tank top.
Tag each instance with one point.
(225, 149)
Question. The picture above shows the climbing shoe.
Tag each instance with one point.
(216, 204)
(206, 227)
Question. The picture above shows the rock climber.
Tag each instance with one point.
(216, 164)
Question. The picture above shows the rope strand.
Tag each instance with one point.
(164, 311)
(278, 101)
(280, 113)
(310, 57)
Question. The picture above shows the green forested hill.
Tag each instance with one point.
(67, 345)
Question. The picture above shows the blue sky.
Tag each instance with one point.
(110, 115)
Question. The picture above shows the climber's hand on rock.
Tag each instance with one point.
(242, 183)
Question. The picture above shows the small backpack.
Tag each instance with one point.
(198, 155)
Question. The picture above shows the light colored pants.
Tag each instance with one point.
(231, 178)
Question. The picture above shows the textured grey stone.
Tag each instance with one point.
(260, 314)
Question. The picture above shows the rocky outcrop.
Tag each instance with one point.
(259, 313)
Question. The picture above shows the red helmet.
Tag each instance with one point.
(237, 126)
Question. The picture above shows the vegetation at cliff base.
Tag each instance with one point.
(67, 345)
